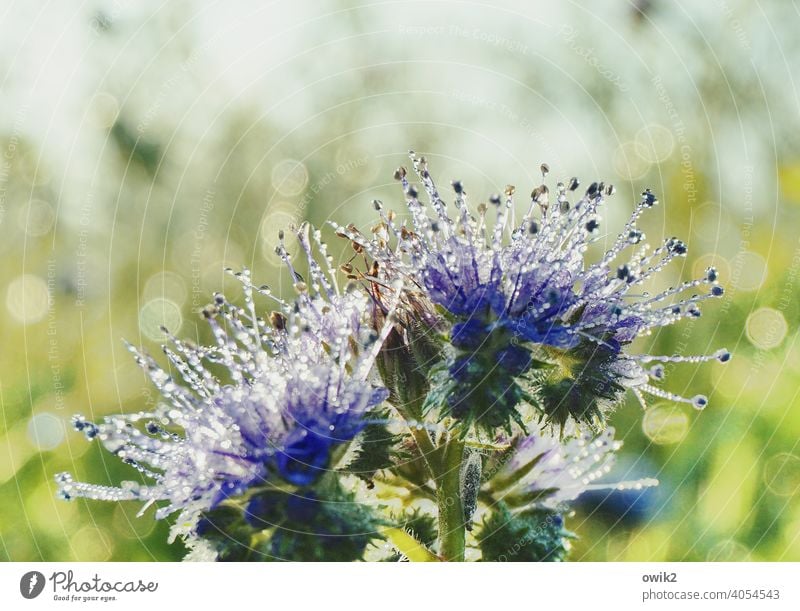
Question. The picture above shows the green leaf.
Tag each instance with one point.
(377, 449)
(409, 546)
(323, 524)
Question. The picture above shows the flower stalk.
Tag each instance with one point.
(452, 528)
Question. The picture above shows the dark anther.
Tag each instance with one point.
(676, 246)
(538, 193)
(649, 198)
(278, 320)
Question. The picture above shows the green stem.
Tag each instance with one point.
(427, 449)
(444, 466)
(413, 413)
(452, 533)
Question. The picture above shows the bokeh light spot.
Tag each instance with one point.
(654, 143)
(277, 216)
(158, 313)
(289, 177)
(27, 298)
(165, 285)
(665, 424)
(766, 328)
(36, 218)
(45, 430)
(782, 474)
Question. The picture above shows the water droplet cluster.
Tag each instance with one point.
(292, 387)
(532, 278)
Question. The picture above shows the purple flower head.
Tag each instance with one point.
(502, 281)
(264, 403)
(546, 473)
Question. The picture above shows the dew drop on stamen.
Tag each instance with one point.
(699, 402)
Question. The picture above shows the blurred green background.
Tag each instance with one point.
(146, 145)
